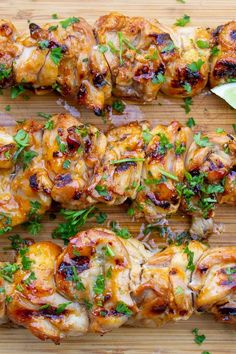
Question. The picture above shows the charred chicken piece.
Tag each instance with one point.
(223, 59)
(72, 152)
(24, 183)
(118, 176)
(64, 56)
(187, 69)
(34, 300)
(95, 269)
(8, 53)
(131, 49)
(213, 283)
(164, 167)
(209, 177)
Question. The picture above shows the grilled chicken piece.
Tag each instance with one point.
(8, 53)
(164, 168)
(72, 152)
(34, 300)
(64, 56)
(24, 184)
(223, 59)
(118, 176)
(130, 46)
(213, 283)
(187, 68)
(95, 270)
(209, 163)
(163, 293)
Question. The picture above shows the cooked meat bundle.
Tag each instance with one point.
(129, 57)
(100, 282)
(161, 170)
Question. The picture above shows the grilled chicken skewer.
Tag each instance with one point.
(100, 282)
(129, 57)
(161, 170)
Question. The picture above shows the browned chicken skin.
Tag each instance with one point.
(161, 170)
(129, 57)
(100, 282)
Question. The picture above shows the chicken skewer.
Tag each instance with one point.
(129, 57)
(100, 282)
(161, 170)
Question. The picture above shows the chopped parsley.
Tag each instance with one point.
(25, 260)
(56, 55)
(4, 72)
(187, 104)
(62, 307)
(190, 122)
(123, 309)
(234, 127)
(52, 28)
(147, 136)
(16, 242)
(202, 44)
(28, 157)
(122, 232)
(187, 87)
(190, 256)
(75, 220)
(180, 148)
(131, 159)
(49, 125)
(102, 191)
(118, 106)
(120, 37)
(158, 79)
(55, 16)
(101, 218)
(8, 270)
(6, 221)
(215, 51)
(69, 21)
(16, 91)
(201, 141)
(195, 65)
(62, 146)
(8, 108)
(102, 48)
(29, 280)
(167, 174)
(44, 115)
(43, 44)
(109, 252)
(199, 338)
(99, 285)
(169, 48)
(182, 21)
(66, 164)
(130, 212)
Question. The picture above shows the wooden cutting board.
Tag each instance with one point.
(208, 111)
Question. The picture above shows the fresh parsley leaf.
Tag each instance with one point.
(55, 16)
(4, 72)
(102, 48)
(102, 191)
(169, 48)
(66, 164)
(201, 141)
(199, 338)
(8, 270)
(147, 136)
(61, 308)
(180, 148)
(187, 87)
(202, 44)
(99, 285)
(109, 252)
(191, 122)
(158, 79)
(101, 218)
(130, 212)
(44, 115)
(190, 255)
(195, 65)
(21, 138)
(187, 104)
(28, 157)
(8, 108)
(123, 309)
(62, 146)
(16, 91)
(16, 242)
(182, 21)
(215, 51)
(122, 232)
(49, 125)
(69, 21)
(43, 44)
(56, 55)
(30, 278)
(118, 106)
(52, 28)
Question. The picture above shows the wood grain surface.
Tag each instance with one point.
(209, 113)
